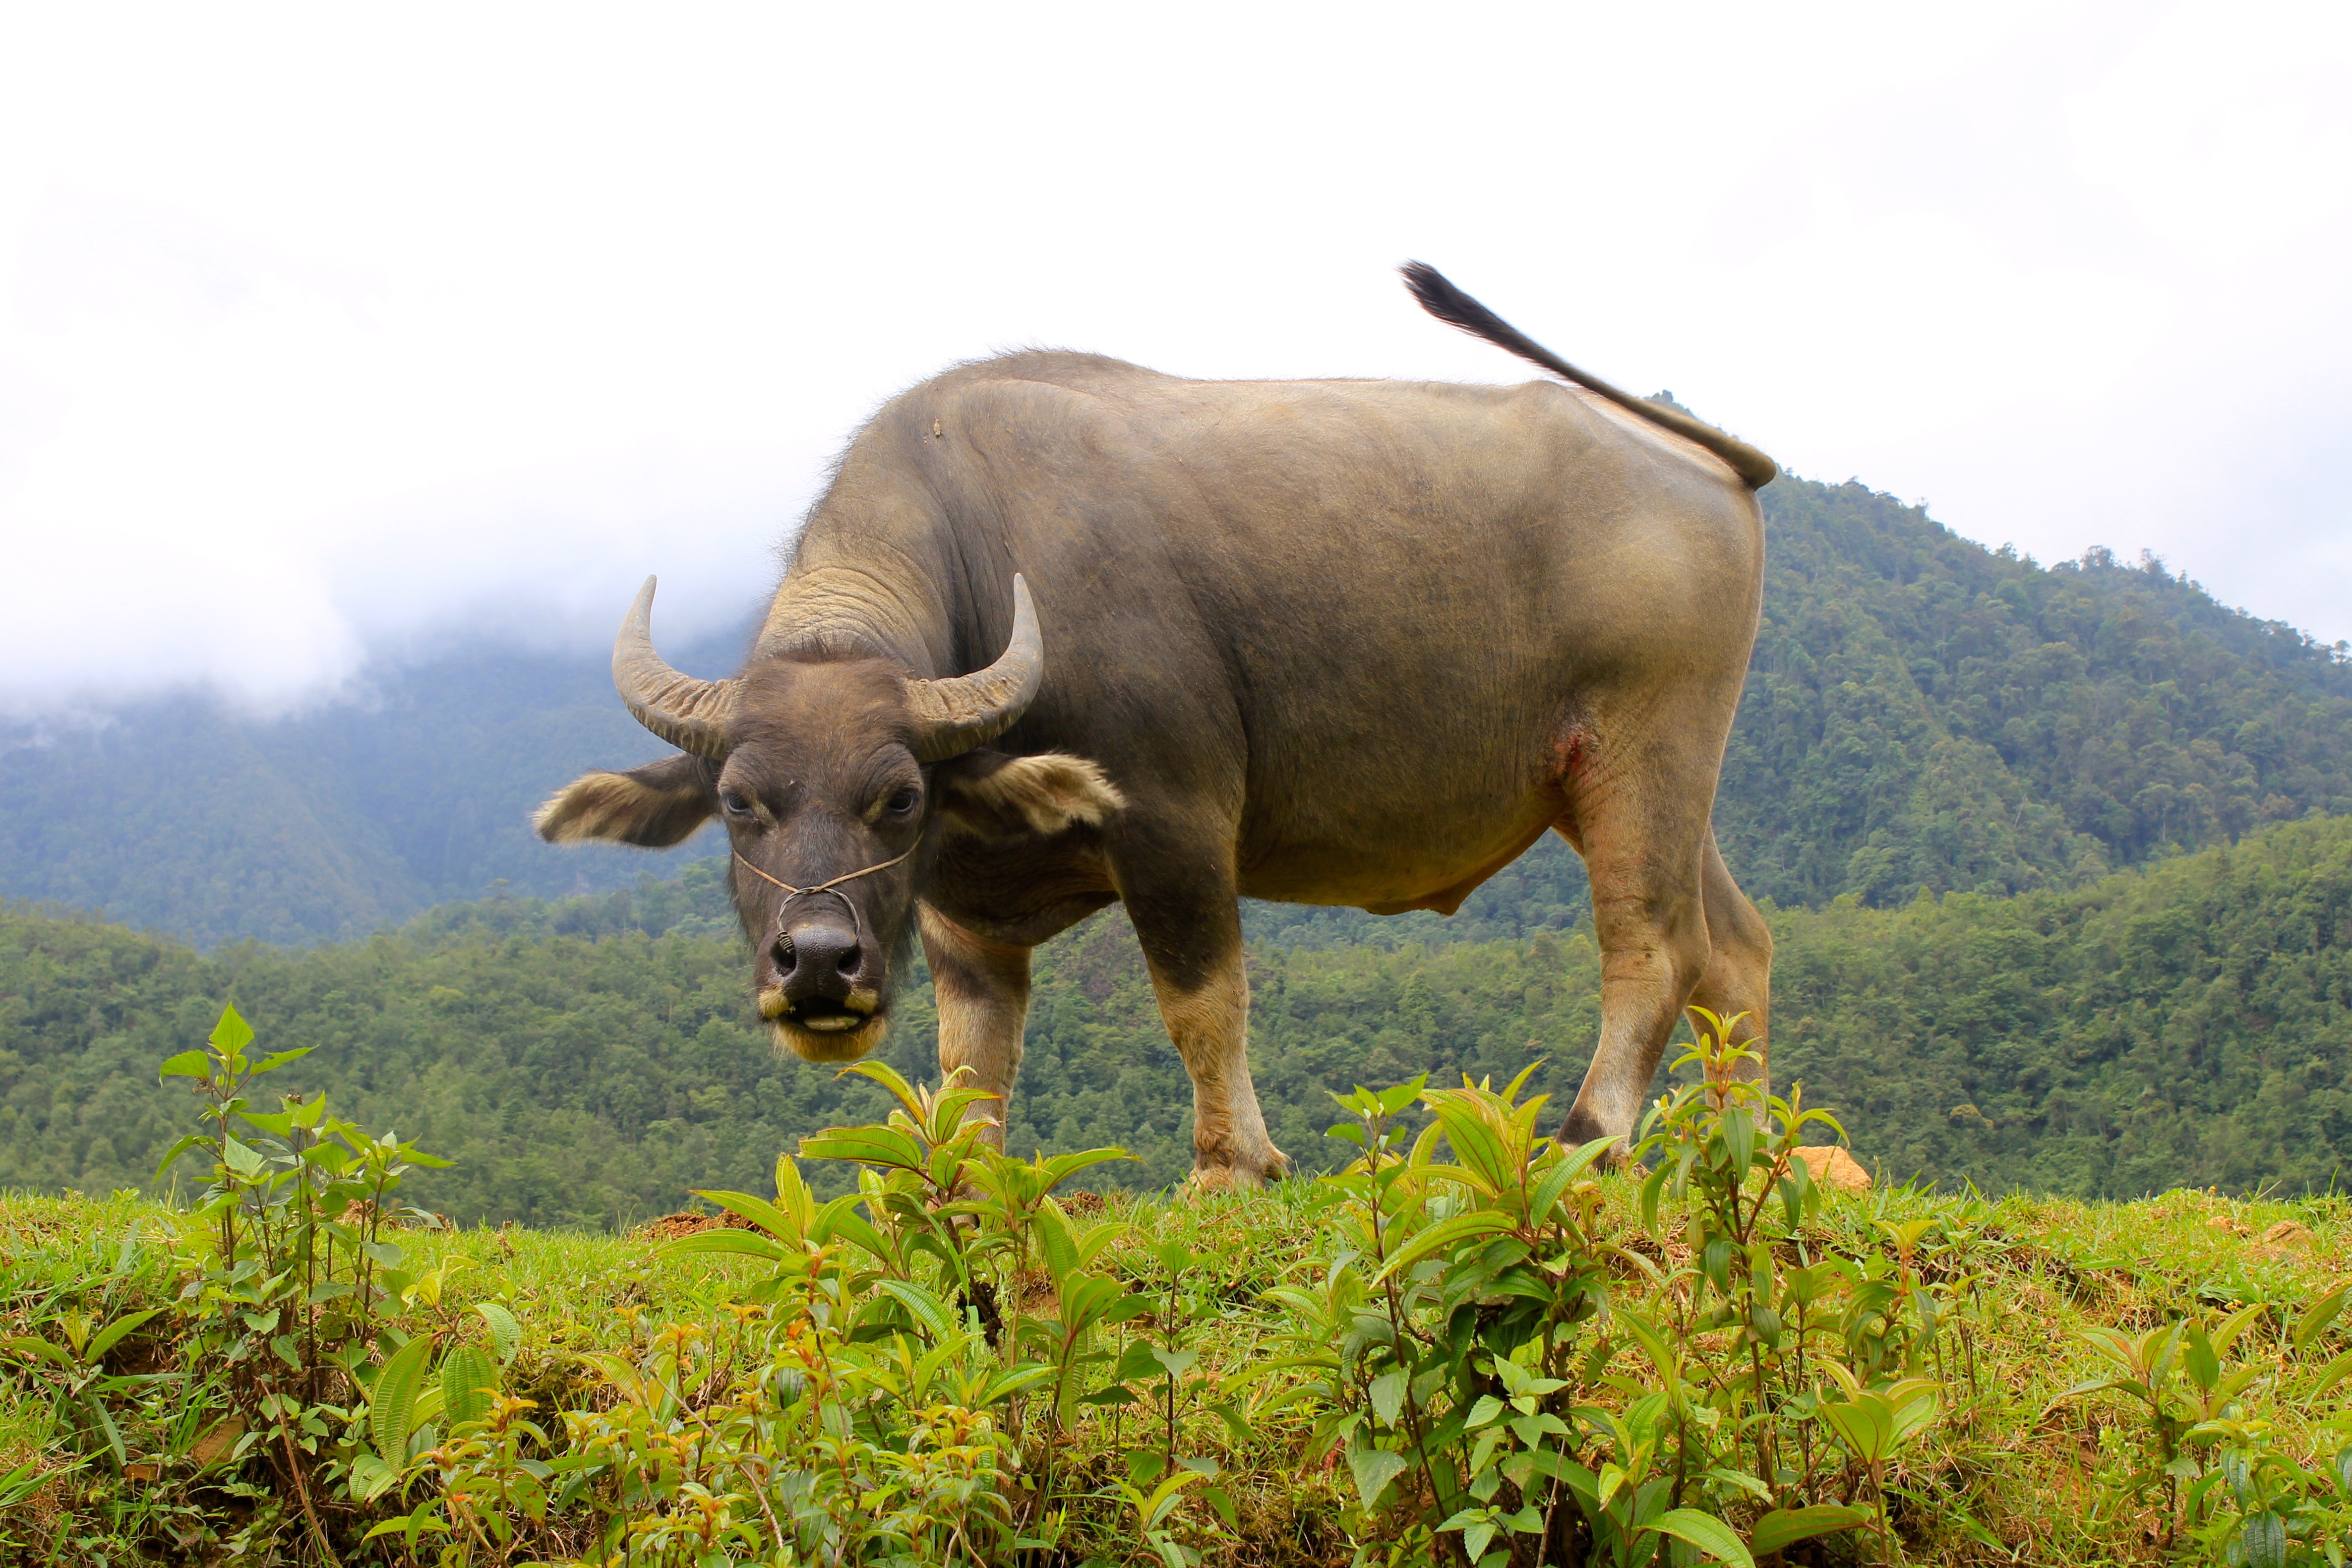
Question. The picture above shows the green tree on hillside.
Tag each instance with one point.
(1924, 712)
(589, 1060)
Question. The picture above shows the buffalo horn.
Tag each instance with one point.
(954, 716)
(689, 714)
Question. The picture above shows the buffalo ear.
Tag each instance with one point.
(653, 806)
(996, 796)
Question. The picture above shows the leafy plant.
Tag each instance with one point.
(1469, 1346)
(886, 1417)
(2262, 1506)
(1762, 1287)
(2175, 1373)
(1468, 1289)
(75, 1370)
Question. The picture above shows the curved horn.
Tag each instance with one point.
(954, 716)
(689, 714)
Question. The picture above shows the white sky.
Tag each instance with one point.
(323, 330)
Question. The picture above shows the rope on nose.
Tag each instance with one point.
(856, 921)
(792, 892)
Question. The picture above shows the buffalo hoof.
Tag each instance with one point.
(1581, 1128)
(1243, 1174)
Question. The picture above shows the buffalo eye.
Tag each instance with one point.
(902, 800)
(733, 804)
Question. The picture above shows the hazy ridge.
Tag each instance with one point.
(1922, 712)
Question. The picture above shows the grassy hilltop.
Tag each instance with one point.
(1999, 1474)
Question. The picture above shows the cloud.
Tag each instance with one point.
(322, 333)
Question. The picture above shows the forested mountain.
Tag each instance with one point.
(180, 816)
(588, 1060)
(1922, 712)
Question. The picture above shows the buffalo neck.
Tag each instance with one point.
(858, 586)
(881, 569)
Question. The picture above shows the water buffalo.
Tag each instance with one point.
(1066, 632)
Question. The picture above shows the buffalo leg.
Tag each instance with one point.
(982, 990)
(1649, 908)
(1191, 936)
(1737, 981)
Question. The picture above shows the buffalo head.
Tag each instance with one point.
(836, 776)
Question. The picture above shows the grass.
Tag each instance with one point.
(2010, 1473)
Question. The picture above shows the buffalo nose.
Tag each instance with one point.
(818, 961)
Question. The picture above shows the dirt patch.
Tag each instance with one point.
(671, 1226)
(142, 1353)
(363, 1214)
(1835, 1169)
(1033, 1288)
(1668, 1255)
(216, 1443)
(2285, 1239)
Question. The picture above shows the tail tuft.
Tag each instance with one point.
(1441, 298)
